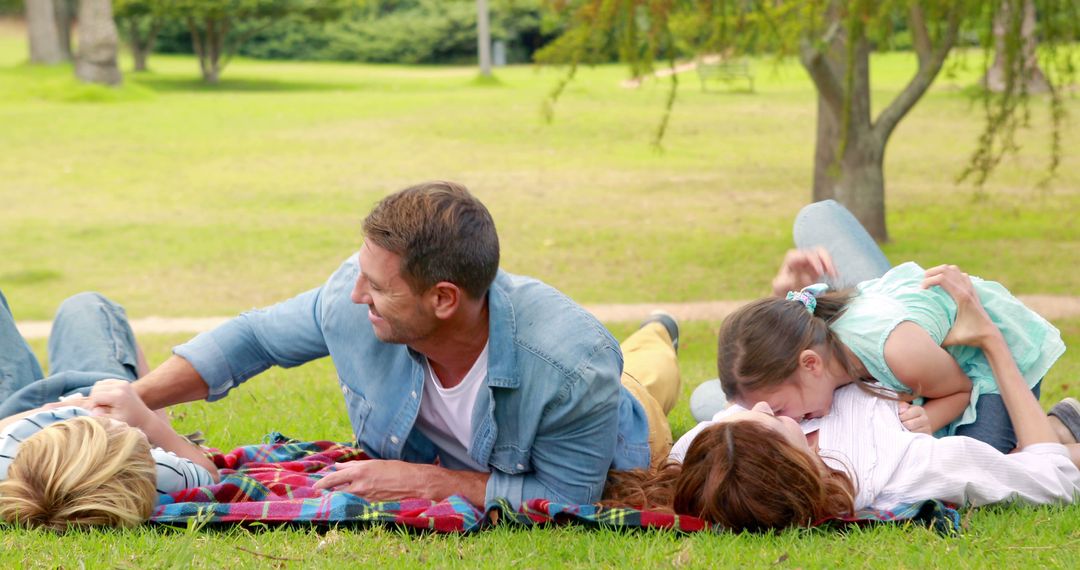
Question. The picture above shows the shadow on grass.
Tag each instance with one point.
(166, 84)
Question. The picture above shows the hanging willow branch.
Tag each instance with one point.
(640, 30)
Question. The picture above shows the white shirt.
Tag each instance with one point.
(891, 466)
(173, 473)
(446, 414)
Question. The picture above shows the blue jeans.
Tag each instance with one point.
(992, 424)
(91, 340)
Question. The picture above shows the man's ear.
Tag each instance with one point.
(445, 298)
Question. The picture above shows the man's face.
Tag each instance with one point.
(397, 314)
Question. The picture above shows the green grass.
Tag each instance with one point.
(994, 537)
(180, 199)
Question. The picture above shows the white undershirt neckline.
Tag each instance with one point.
(445, 415)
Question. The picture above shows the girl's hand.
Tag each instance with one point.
(117, 399)
(914, 418)
(973, 326)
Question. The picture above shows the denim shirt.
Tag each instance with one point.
(552, 420)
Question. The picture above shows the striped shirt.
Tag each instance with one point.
(173, 473)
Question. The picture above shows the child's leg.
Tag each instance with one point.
(18, 365)
(856, 256)
(92, 334)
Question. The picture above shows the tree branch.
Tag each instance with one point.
(196, 42)
(916, 88)
(232, 49)
(817, 64)
(920, 37)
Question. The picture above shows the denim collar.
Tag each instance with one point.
(502, 332)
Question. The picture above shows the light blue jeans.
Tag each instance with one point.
(91, 340)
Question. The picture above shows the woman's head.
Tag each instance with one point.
(775, 350)
(86, 471)
(752, 472)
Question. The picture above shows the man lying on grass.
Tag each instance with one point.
(458, 378)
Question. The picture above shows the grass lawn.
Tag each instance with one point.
(178, 199)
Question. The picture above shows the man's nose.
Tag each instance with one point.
(360, 294)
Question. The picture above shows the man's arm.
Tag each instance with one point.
(207, 367)
(174, 382)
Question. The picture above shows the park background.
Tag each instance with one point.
(179, 198)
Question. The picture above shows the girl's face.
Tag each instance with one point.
(784, 426)
(803, 396)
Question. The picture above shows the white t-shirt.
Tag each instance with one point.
(446, 414)
(173, 473)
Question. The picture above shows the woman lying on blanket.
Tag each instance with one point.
(101, 460)
(755, 470)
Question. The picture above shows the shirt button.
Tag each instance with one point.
(394, 439)
(345, 390)
(412, 394)
(520, 466)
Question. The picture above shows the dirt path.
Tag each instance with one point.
(1052, 307)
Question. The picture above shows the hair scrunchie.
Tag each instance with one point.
(808, 295)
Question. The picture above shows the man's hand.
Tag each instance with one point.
(802, 267)
(389, 480)
(914, 418)
(117, 399)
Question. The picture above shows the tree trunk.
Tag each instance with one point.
(63, 12)
(97, 44)
(1023, 58)
(142, 45)
(483, 37)
(860, 186)
(848, 154)
(44, 37)
(139, 54)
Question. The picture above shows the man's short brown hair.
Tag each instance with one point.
(441, 232)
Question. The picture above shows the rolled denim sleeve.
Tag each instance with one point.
(286, 334)
(575, 444)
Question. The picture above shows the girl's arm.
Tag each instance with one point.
(973, 327)
(117, 399)
(929, 371)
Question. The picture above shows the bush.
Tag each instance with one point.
(420, 31)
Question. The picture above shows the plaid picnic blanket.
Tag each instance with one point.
(273, 483)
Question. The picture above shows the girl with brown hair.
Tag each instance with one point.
(755, 470)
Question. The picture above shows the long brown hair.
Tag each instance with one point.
(740, 475)
(760, 342)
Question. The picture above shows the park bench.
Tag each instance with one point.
(728, 70)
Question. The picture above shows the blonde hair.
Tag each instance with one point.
(85, 471)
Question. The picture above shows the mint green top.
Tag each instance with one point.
(879, 305)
